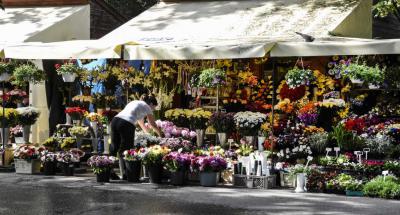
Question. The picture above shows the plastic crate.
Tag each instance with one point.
(251, 181)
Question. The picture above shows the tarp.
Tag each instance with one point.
(227, 29)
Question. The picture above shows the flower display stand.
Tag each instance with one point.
(252, 181)
(27, 167)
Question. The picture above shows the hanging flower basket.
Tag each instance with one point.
(68, 77)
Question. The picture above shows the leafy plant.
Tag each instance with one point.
(68, 143)
(318, 142)
(28, 73)
(387, 187)
(6, 68)
(211, 78)
(373, 75)
(297, 77)
(67, 68)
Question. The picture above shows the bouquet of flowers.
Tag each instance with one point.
(175, 161)
(47, 157)
(211, 78)
(77, 152)
(99, 100)
(16, 131)
(134, 154)
(101, 163)
(27, 152)
(68, 143)
(245, 149)
(27, 115)
(51, 144)
(208, 164)
(223, 122)
(143, 139)
(212, 151)
(11, 117)
(199, 118)
(76, 113)
(155, 154)
(297, 77)
(180, 117)
(248, 123)
(284, 106)
(79, 131)
(177, 144)
(170, 130)
(16, 95)
(93, 117)
(67, 157)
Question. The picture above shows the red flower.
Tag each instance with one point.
(357, 124)
(57, 66)
(373, 163)
(292, 94)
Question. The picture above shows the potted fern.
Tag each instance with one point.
(6, 70)
(26, 73)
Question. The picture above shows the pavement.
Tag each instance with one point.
(42, 195)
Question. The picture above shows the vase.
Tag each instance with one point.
(208, 179)
(356, 81)
(6, 136)
(19, 140)
(106, 144)
(76, 122)
(300, 182)
(49, 168)
(373, 86)
(261, 141)
(103, 176)
(132, 170)
(95, 142)
(222, 138)
(178, 178)
(67, 169)
(200, 133)
(249, 139)
(26, 133)
(27, 166)
(68, 119)
(155, 173)
(68, 77)
(94, 127)
(5, 77)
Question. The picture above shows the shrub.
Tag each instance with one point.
(383, 188)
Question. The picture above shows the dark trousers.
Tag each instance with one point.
(122, 136)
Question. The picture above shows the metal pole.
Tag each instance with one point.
(3, 127)
(273, 102)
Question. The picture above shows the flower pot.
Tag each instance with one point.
(222, 138)
(68, 77)
(200, 136)
(373, 86)
(155, 173)
(5, 77)
(68, 119)
(133, 170)
(19, 140)
(178, 178)
(27, 167)
(103, 176)
(6, 134)
(356, 81)
(300, 183)
(67, 169)
(208, 179)
(76, 122)
(354, 193)
(26, 133)
(261, 141)
(49, 168)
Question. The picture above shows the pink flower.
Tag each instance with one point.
(185, 133)
(192, 134)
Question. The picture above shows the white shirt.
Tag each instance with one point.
(134, 111)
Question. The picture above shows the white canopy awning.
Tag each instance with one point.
(43, 24)
(225, 29)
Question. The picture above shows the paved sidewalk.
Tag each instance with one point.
(27, 194)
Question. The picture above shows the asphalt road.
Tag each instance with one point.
(26, 194)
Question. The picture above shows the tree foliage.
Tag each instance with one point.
(384, 8)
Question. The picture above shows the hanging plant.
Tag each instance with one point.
(297, 77)
(7, 68)
(26, 73)
(368, 74)
(211, 78)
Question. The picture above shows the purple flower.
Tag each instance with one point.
(308, 118)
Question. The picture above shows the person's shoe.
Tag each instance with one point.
(114, 176)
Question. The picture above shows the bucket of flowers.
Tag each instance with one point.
(17, 133)
(6, 70)
(198, 120)
(101, 166)
(76, 114)
(153, 161)
(223, 124)
(10, 120)
(79, 132)
(67, 160)
(16, 96)
(27, 116)
(177, 144)
(178, 164)
(133, 163)
(49, 162)
(26, 159)
(249, 123)
(209, 167)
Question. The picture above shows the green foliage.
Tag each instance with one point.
(387, 187)
(28, 73)
(68, 143)
(346, 140)
(297, 77)
(385, 7)
(211, 78)
(6, 68)
(51, 144)
(368, 74)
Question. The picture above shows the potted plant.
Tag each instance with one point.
(223, 124)
(68, 143)
(79, 132)
(26, 159)
(354, 188)
(27, 116)
(26, 73)
(178, 164)
(10, 116)
(133, 163)
(198, 119)
(153, 161)
(51, 144)
(209, 167)
(360, 73)
(67, 160)
(49, 162)
(17, 133)
(300, 172)
(297, 77)
(101, 166)
(68, 71)
(76, 114)
(249, 123)
(16, 96)
(6, 70)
